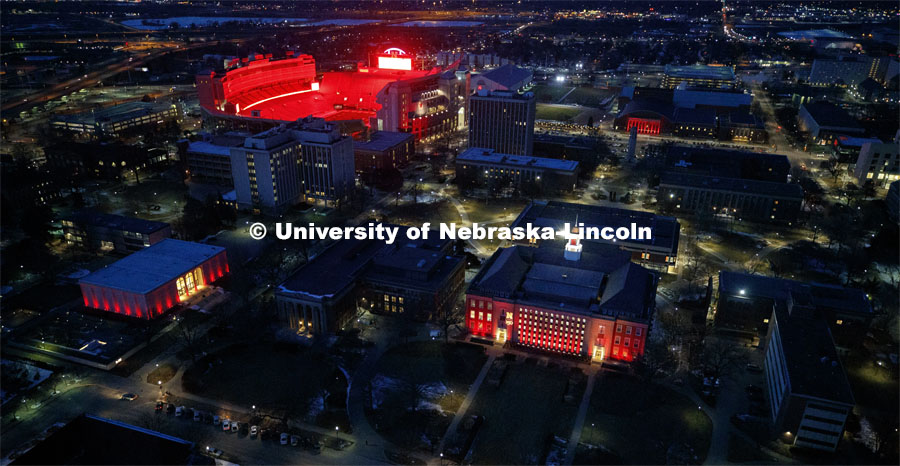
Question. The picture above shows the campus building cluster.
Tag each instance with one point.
(418, 279)
(305, 161)
(118, 120)
(806, 326)
(689, 112)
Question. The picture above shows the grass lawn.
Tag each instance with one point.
(549, 94)
(522, 414)
(741, 450)
(873, 386)
(640, 422)
(551, 112)
(419, 364)
(587, 96)
(276, 378)
(163, 373)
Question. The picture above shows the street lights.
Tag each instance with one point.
(337, 432)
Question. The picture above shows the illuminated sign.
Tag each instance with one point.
(395, 63)
(391, 59)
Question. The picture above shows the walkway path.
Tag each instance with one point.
(473, 390)
(465, 220)
(561, 99)
(580, 417)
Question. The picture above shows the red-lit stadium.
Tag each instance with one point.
(392, 95)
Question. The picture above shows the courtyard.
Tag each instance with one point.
(522, 414)
(634, 422)
(417, 389)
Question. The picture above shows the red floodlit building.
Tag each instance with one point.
(388, 95)
(584, 300)
(151, 281)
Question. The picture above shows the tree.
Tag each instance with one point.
(656, 356)
(189, 334)
(447, 320)
(720, 358)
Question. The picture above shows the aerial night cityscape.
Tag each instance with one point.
(449, 232)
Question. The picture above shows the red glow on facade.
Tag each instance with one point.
(644, 125)
(383, 95)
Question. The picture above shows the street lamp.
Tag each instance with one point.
(337, 432)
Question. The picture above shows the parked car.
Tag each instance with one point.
(226, 426)
(159, 406)
(129, 396)
(214, 452)
(170, 408)
(235, 426)
(216, 420)
(254, 431)
(294, 440)
(265, 434)
(283, 439)
(198, 415)
(179, 411)
(754, 367)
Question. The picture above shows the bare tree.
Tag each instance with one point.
(447, 320)
(189, 334)
(720, 358)
(656, 356)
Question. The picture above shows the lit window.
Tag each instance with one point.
(480, 316)
(489, 317)
(840, 322)
(472, 314)
(619, 328)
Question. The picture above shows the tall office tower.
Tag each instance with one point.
(266, 173)
(502, 121)
(326, 161)
(307, 160)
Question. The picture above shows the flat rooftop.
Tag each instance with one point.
(341, 264)
(700, 71)
(115, 113)
(728, 163)
(381, 141)
(148, 269)
(488, 156)
(829, 115)
(820, 295)
(90, 439)
(693, 97)
(813, 366)
(116, 222)
(772, 188)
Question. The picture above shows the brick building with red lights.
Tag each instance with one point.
(584, 300)
(151, 281)
(388, 95)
